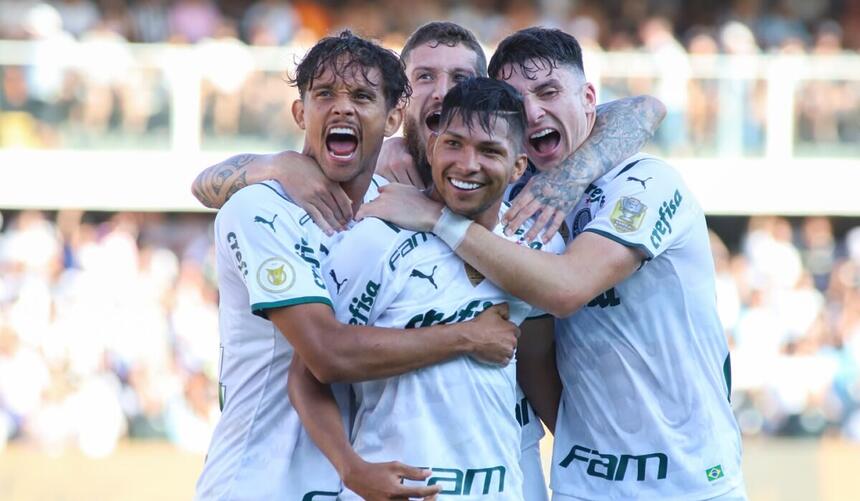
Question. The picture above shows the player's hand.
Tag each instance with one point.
(493, 336)
(397, 165)
(543, 195)
(406, 206)
(382, 481)
(323, 199)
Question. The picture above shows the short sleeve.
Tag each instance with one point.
(273, 252)
(647, 207)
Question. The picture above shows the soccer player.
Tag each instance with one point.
(275, 306)
(437, 56)
(455, 418)
(645, 410)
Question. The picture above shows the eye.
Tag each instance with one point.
(490, 152)
(425, 76)
(453, 143)
(459, 77)
(324, 93)
(363, 96)
(548, 93)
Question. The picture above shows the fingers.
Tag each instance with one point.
(504, 310)
(366, 210)
(554, 225)
(406, 472)
(522, 216)
(319, 220)
(410, 472)
(342, 205)
(414, 177)
(544, 217)
(518, 204)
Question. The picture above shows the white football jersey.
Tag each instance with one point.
(645, 410)
(456, 418)
(268, 256)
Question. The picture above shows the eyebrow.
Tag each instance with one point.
(549, 83)
(494, 143)
(464, 69)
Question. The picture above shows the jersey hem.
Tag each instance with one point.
(685, 497)
(623, 242)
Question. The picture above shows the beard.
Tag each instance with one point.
(417, 149)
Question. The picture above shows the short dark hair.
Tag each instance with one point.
(485, 100)
(549, 47)
(446, 33)
(349, 54)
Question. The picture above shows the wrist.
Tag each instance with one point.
(348, 466)
(451, 228)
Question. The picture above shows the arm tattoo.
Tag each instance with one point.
(621, 129)
(209, 187)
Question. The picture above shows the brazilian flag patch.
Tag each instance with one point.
(714, 473)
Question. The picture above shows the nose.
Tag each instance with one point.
(470, 161)
(443, 84)
(343, 106)
(534, 111)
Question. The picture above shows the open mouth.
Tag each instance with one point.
(433, 120)
(545, 140)
(341, 142)
(464, 185)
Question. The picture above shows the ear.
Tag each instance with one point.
(521, 163)
(298, 109)
(431, 146)
(393, 120)
(589, 98)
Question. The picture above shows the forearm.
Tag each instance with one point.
(363, 353)
(542, 385)
(320, 415)
(215, 185)
(536, 369)
(540, 278)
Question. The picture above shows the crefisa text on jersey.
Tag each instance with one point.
(667, 212)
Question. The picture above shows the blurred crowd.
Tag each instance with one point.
(108, 328)
(118, 100)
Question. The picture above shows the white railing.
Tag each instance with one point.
(777, 181)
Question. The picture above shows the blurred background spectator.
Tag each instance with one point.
(112, 317)
(713, 107)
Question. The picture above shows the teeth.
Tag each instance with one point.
(541, 133)
(463, 185)
(342, 130)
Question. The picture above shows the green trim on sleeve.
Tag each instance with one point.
(259, 309)
(623, 242)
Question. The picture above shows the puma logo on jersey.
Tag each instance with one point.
(418, 273)
(270, 224)
(640, 181)
(338, 284)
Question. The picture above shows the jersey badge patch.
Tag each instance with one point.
(628, 214)
(475, 276)
(714, 473)
(276, 275)
(581, 220)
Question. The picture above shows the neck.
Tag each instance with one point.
(357, 187)
(488, 218)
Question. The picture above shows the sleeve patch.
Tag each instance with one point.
(276, 275)
(628, 214)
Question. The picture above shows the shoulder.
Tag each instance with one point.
(644, 170)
